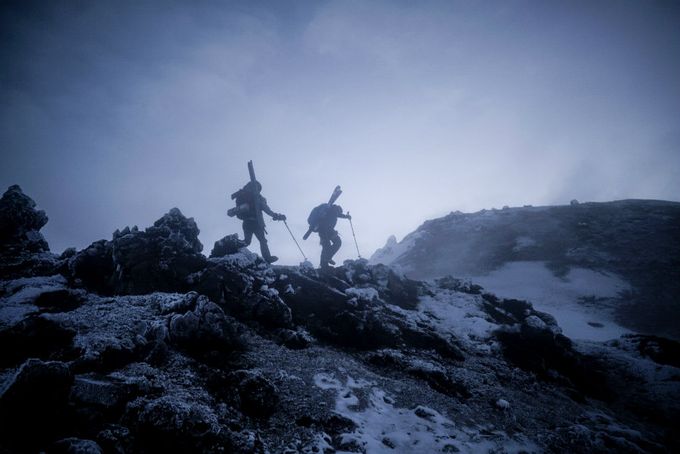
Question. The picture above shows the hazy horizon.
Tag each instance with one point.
(112, 113)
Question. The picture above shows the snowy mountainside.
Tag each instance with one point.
(142, 344)
(603, 269)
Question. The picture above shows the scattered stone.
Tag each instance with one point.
(76, 446)
(204, 329)
(258, 395)
(294, 339)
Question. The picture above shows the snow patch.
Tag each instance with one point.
(534, 282)
(382, 427)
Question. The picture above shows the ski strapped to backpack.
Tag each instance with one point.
(318, 212)
(256, 197)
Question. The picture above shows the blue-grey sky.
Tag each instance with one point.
(111, 113)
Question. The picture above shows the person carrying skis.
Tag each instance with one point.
(330, 239)
(322, 220)
(249, 207)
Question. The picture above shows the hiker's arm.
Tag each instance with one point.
(266, 209)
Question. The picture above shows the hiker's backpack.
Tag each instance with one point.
(243, 200)
(317, 214)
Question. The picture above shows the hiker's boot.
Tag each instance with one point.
(266, 255)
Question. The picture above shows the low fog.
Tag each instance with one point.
(111, 113)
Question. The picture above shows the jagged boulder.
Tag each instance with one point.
(36, 397)
(222, 282)
(159, 258)
(258, 396)
(271, 311)
(93, 267)
(204, 329)
(230, 244)
(170, 424)
(20, 223)
(23, 250)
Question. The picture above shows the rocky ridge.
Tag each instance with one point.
(142, 344)
(638, 241)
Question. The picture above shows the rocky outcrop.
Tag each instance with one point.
(142, 344)
(159, 258)
(204, 329)
(20, 224)
(23, 250)
(230, 244)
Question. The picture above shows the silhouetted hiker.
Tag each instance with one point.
(249, 207)
(322, 220)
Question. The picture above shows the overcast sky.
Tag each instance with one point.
(111, 113)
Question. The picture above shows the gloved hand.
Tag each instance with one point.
(348, 216)
(279, 217)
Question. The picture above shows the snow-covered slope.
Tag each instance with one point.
(601, 268)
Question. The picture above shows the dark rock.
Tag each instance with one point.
(294, 339)
(180, 305)
(137, 262)
(658, 349)
(101, 392)
(258, 396)
(114, 438)
(434, 374)
(458, 285)
(272, 312)
(159, 258)
(230, 244)
(76, 446)
(36, 397)
(204, 329)
(68, 253)
(36, 337)
(221, 283)
(62, 300)
(538, 348)
(169, 424)
(93, 267)
(20, 224)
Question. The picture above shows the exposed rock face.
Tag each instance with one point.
(23, 250)
(137, 262)
(250, 358)
(20, 223)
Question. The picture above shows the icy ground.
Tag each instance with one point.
(581, 301)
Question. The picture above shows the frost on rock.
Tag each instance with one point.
(142, 344)
(382, 426)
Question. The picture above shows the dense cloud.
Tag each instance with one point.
(111, 114)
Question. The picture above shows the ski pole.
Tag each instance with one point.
(355, 237)
(296, 242)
